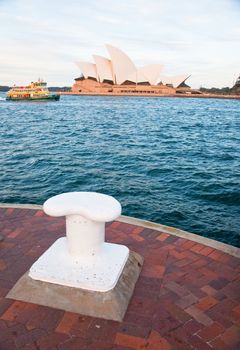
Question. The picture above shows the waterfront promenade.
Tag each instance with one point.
(187, 296)
(224, 97)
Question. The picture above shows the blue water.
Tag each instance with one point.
(174, 161)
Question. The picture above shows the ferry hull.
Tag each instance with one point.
(47, 98)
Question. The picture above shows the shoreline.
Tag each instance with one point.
(224, 97)
(173, 231)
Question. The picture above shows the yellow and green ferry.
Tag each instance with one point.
(36, 91)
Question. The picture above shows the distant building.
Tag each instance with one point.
(119, 75)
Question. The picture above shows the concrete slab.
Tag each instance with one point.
(99, 272)
(110, 305)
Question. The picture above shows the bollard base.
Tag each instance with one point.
(110, 305)
(99, 272)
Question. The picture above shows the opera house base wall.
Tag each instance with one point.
(89, 86)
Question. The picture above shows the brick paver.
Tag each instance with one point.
(187, 296)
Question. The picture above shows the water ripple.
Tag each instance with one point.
(173, 161)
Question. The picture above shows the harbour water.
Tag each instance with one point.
(174, 161)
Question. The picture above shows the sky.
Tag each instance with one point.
(45, 38)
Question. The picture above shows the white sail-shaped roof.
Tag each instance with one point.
(151, 72)
(104, 68)
(120, 68)
(123, 67)
(175, 81)
(88, 69)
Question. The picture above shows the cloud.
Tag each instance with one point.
(199, 38)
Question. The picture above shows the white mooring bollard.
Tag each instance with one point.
(86, 214)
(82, 259)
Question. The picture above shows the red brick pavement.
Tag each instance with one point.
(187, 296)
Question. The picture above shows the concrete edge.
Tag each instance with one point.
(21, 206)
(226, 248)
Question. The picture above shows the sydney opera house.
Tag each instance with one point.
(119, 75)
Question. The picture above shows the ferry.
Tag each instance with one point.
(36, 91)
